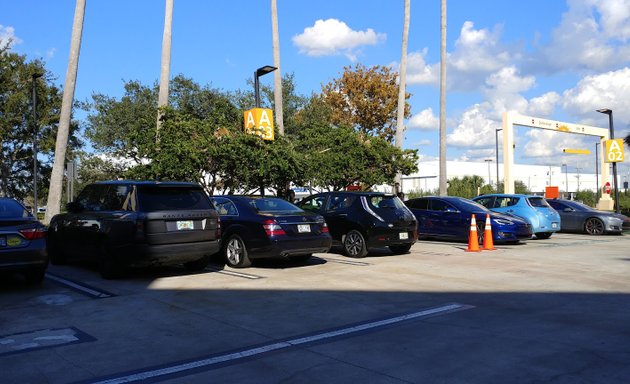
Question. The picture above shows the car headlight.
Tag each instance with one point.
(502, 221)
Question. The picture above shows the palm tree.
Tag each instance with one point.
(166, 64)
(56, 177)
(277, 76)
(400, 119)
(442, 180)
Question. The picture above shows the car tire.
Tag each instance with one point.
(35, 275)
(198, 265)
(400, 249)
(235, 252)
(354, 244)
(594, 226)
(54, 253)
(481, 227)
(543, 235)
(301, 258)
(108, 266)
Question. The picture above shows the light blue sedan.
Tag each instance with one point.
(534, 209)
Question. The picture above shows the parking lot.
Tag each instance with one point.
(549, 311)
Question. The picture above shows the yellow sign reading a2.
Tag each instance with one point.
(614, 151)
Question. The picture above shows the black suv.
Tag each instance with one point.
(362, 220)
(137, 223)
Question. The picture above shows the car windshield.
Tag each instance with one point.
(165, 198)
(579, 206)
(538, 202)
(384, 202)
(468, 205)
(12, 209)
(275, 205)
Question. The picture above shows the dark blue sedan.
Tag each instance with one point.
(448, 218)
(263, 227)
(22, 241)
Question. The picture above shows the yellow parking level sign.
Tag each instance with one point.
(259, 121)
(614, 151)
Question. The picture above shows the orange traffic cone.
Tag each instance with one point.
(488, 243)
(473, 240)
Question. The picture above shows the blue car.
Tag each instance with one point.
(534, 209)
(22, 241)
(264, 227)
(448, 218)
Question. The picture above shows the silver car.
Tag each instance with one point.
(578, 217)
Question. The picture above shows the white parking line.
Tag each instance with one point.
(79, 287)
(214, 360)
(232, 273)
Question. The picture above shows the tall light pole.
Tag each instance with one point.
(35, 76)
(611, 128)
(496, 152)
(261, 72)
(566, 178)
(489, 179)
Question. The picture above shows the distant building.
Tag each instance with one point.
(535, 177)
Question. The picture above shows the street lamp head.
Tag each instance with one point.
(265, 70)
(605, 110)
(37, 75)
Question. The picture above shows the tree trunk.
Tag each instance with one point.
(166, 65)
(443, 187)
(277, 75)
(402, 90)
(56, 177)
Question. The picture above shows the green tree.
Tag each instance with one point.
(365, 99)
(17, 126)
(340, 156)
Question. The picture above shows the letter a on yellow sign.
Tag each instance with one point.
(614, 151)
(259, 121)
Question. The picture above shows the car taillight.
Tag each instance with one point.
(33, 233)
(325, 228)
(218, 228)
(272, 228)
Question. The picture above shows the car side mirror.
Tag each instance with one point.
(74, 207)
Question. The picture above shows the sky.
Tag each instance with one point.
(553, 59)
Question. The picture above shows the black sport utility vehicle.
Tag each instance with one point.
(137, 223)
(361, 220)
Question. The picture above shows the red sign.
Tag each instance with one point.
(607, 187)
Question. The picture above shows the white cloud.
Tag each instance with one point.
(475, 129)
(333, 37)
(425, 120)
(478, 53)
(7, 36)
(606, 90)
(419, 72)
(590, 36)
(543, 105)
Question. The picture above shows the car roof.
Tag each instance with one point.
(508, 195)
(147, 182)
(246, 197)
(441, 197)
(362, 193)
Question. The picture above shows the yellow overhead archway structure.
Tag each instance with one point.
(512, 119)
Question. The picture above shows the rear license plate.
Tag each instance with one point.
(184, 225)
(304, 228)
(403, 235)
(3, 241)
